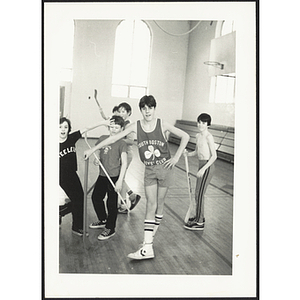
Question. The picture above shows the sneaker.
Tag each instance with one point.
(106, 234)
(194, 226)
(145, 252)
(98, 224)
(135, 201)
(79, 232)
(192, 219)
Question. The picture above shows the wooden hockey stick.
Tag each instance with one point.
(95, 96)
(186, 219)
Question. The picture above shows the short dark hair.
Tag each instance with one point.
(126, 106)
(64, 119)
(204, 118)
(147, 100)
(115, 108)
(118, 120)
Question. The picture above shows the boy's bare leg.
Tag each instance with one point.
(161, 195)
(151, 205)
(155, 203)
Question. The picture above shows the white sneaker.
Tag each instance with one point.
(145, 252)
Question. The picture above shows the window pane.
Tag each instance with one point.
(137, 92)
(212, 89)
(131, 58)
(221, 89)
(119, 91)
(225, 89)
(230, 90)
(140, 54)
(122, 53)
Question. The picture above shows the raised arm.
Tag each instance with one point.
(110, 140)
(102, 113)
(129, 139)
(102, 123)
(184, 140)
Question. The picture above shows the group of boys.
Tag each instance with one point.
(154, 152)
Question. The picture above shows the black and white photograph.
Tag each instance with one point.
(150, 149)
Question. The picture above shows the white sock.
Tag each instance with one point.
(158, 219)
(148, 231)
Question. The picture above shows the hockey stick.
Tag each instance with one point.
(107, 175)
(86, 170)
(186, 219)
(95, 96)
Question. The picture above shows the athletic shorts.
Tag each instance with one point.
(158, 175)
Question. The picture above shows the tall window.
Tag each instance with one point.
(222, 88)
(131, 59)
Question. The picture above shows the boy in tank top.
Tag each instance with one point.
(154, 153)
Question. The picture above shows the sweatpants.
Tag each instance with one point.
(201, 186)
(71, 184)
(103, 187)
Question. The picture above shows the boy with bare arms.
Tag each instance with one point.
(155, 154)
(206, 152)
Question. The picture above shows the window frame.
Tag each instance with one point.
(214, 79)
(132, 85)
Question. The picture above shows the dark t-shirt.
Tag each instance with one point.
(67, 153)
(110, 156)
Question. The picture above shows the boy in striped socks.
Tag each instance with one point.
(154, 152)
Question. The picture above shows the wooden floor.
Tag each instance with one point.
(177, 250)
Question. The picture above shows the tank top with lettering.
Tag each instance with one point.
(152, 146)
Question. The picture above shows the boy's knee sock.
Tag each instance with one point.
(158, 219)
(148, 231)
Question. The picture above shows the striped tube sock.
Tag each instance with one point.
(158, 219)
(148, 231)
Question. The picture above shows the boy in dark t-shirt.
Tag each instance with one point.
(114, 160)
(68, 177)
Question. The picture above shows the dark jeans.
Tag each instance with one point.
(103, 187)
(71, 184)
